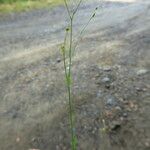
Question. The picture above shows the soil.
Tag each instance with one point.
(111, 79)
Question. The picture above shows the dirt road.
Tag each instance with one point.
(111, 71)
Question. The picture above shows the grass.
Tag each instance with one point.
(67, 48)
(7, 6)
(68, 73)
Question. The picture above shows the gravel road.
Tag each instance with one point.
(111, 74)
(40, 28)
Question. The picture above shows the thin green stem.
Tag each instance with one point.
(66, 5)
(64, 54)
(68, 68)
(77, 7)
(70, 48)
(71, 105)
(92, 16)
(84, 28)
(68, 78)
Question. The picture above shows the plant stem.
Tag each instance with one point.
(71, 105)
(68, 76)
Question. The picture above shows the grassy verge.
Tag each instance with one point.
(7, 6)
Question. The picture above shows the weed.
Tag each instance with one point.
(67, 49)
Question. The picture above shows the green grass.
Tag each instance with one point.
(7, 6)
(67, 48)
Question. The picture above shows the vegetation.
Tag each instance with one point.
(7, 6)
(67, 48)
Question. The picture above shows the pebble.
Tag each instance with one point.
(122, 118)
(111, 101)
(85, 127)
(17, 139)
(47, 85)
(106, 80)
(99, 94)
(107, 86)
(147, 144)
(58, 60)
(107, 69)
(118, 108)
(140, 89)
(115, 125)
(57, 147)
(94, 131)
(125, 115)
(142, 72)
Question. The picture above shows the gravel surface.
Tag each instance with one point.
(111, 74)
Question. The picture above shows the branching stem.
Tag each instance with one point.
(68, 68)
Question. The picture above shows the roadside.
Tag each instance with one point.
(9, 6)
(111, 70)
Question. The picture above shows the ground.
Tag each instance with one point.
(110, 85)
(9, 6)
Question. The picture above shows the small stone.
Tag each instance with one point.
(107, 86)
(118, 108)
(85, 127)
(99, 94)
(107, 69)
(115, 125)
(93, 132)
(17, 139)
(84, 113)
(60, 137)
(111, 102)
(14, 114)
(33, 139)
(57, 147)
(106, 80)
(147, 144)
(58, 60)
(122, 118)
(144, 89)
(140, 89)
(47, 85)
(125, 115)
(76, 87)
(142, 72)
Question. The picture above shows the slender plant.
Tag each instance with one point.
(68, 47)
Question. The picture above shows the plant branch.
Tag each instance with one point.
(85, 27)
(66, 5)
(78, 5)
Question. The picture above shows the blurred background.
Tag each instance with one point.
(111, 75)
